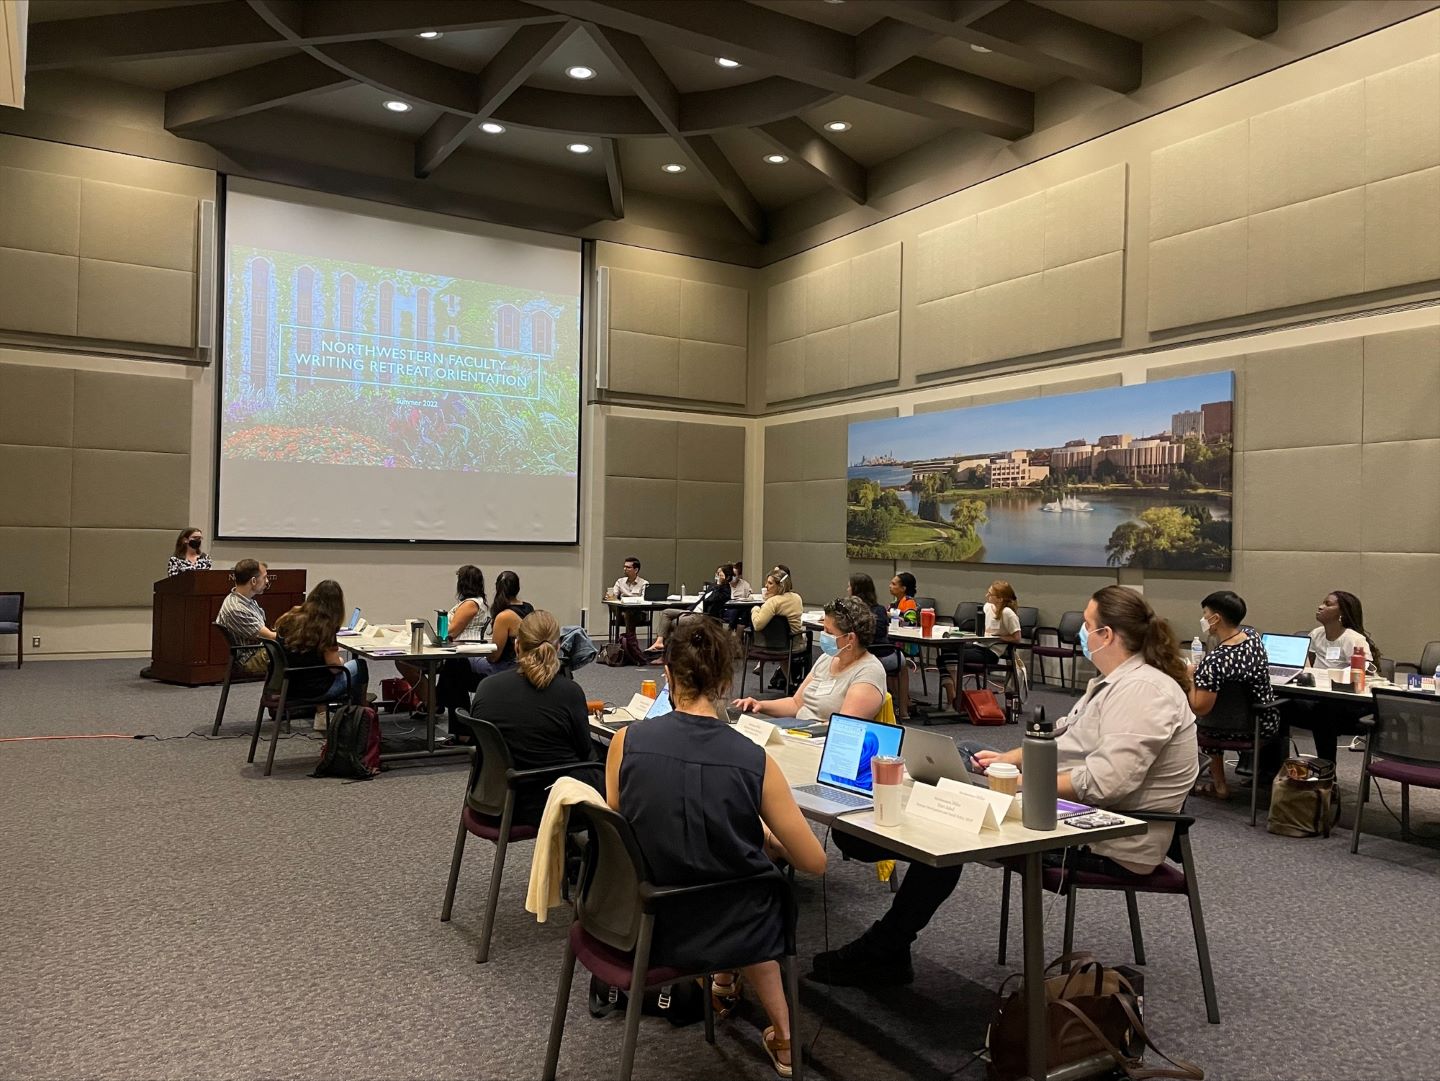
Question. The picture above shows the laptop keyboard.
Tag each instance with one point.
(835, 795)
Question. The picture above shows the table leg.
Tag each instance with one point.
(432, 671)
(1036, 1029)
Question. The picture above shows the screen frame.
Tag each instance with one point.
(1305, 653)
(833, 779)
(583, 305)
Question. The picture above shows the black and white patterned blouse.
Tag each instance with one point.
(1245, 663)
(180, 566)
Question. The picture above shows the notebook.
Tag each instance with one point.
(843, 781)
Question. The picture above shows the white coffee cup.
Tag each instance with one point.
(889, 804)
(1340, 675)
(1003, 777)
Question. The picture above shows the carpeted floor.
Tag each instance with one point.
(171, 914)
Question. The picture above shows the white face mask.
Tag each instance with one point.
(1204, 627)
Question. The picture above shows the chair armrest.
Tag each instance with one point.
(1182, 822)
(517, 777)
(1407, 664)
(652, 895)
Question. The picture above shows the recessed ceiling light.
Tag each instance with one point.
(776, 159)
(672, 167)
(492, 128)
(579, 148)
(838, 125)
(429, 35)
(580, 71)
(398, 106)
(980, 48)
(726, 62)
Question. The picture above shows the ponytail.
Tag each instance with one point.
(1132, 619)
(538, 645)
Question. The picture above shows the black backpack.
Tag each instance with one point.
(622, 652)
(352, 744)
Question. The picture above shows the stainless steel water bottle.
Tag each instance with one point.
(1039, 766)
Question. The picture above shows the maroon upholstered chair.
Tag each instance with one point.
(1067, 646)
(1404, 746)
(615, 911)
(1236, 725)
(1175, 876)
(488, 812)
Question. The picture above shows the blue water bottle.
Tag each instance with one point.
(442, 626)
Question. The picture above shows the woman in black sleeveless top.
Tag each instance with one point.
(506, 612)
(706, 804)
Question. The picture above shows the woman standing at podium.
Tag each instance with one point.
(188, 556)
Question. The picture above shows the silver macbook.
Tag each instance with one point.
(844, 781)
(1287, 653)
(929, 756)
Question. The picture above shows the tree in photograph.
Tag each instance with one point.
(1107, 472)
(1171, 538)
(968, 515)
(861, 492)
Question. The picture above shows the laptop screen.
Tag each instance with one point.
(1287, 650)
(354, 619)
(849, 746)
(661, 705)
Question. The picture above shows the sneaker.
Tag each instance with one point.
(1358, 743)
(863, 963)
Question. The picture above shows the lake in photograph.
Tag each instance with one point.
(1018, 531)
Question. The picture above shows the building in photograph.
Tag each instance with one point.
(1219, 418)
(1188, 422)
(1016, 470)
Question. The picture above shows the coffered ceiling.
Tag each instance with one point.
(740, 110)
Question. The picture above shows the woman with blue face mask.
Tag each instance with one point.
(846, 679)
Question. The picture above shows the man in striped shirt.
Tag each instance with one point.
(242, 616)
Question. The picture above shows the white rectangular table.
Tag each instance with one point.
(919, 840)
(429, 659)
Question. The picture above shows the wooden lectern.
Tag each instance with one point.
(185, 647)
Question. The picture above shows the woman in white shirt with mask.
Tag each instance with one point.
(847, 679)
(1001, 621)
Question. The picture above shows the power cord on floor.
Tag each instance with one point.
(825, 931)
(1413, 833)
(311, 737)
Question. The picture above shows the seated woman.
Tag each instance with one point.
(714, 597)
(863, 586)
(307, 635)
(740, 590)
(1238, 657)
(467, 623)
(1333, 643)
(506, 612)
(652, 776)
(1128, 744)
(781, 600)
(543, 718)
(1001, 621)
(188, 555)
(846, 679)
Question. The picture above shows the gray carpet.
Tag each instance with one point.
(171, 914)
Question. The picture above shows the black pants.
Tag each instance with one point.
(1327, 721)
(923, 889)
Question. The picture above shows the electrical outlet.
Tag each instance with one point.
(35, 642)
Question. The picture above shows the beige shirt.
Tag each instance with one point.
(788, 605)
(1129, 745)
(626, 588)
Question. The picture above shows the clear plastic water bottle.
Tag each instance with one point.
(1197, 652)
(1437, 679)
(683, 591)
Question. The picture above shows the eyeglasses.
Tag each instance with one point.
(842, 610)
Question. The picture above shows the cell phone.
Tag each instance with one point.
(1093, 821)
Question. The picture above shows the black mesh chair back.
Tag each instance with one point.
(1407, 727)
(278, 665)
(1430, 658)
(967, 615)
(1068, 632)
(775, 636)
(927, 602)
(608, 904)
(489, 778)
(1231, 712)
(1029, 620)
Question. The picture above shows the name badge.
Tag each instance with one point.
(1332, 655)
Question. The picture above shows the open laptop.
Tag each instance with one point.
(1287, 653)
(844, 780)
(929, 756)
(355, 626)
(657, 591)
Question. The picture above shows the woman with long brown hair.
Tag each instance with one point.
(188, 554)
(1340, 631)
(1002, 621)
(540, 712)
(307, 635)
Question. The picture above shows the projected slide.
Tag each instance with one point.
(405, 382)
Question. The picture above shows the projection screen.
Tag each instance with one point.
(388, 375)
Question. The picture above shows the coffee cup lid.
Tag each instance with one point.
(1002, 769)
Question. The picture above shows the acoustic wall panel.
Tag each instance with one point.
(1043, 273)
(1342, 197)
(1401, 592)
(41, 294)
(676, 338)
(37, 561)
(1394, 515)
(35, 486)
(96, 553)
(1281, 385)
(106, 405)
(51, 218)
(129, 489)
(121, 224)
(842, 308)
(37, 405)
(1402, 386)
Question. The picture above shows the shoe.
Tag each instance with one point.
(863, 963)
(777, 682)
(773, 1046)
(724, 997)
(1358, 743)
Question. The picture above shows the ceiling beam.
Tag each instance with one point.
(360, 19)
(1031, 34)
(403, 74)
(250, 90)
(1254, 18)
(809, 148)
(647, 78)
(805, 52)
(144, 35)
(528, 48)
(614, 178)
(888, 43)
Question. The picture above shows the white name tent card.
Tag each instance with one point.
(964, 806)
(757, 731)
(1000, 803)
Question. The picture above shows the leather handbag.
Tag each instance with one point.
(1303, 799)
(983, 707)
(1092, 1015)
